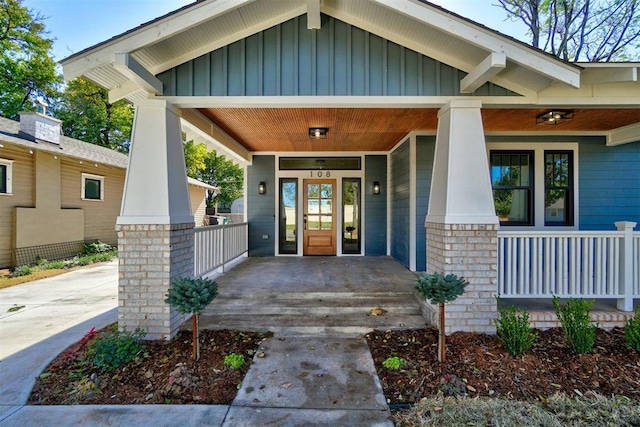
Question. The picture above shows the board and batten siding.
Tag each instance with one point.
(22, 196)
(425, 151)
(399, 193)
(375, 205)
(608, 178)
(338, 59)
(261, 213)
(99, 215)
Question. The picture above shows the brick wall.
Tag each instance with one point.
(471, 251)
(150, 257)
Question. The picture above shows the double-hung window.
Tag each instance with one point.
(6, 172)
(92, 187)
(534, 187)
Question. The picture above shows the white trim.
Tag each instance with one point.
(86, 176)
(623, 135)
(538, 149)
(485, 71)
(134, 71)
(9, 164)
(314, 21)
(413, 191)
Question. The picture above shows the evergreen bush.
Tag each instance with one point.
(632, 331)
(111, 350)
(514, 331)
(576, 323)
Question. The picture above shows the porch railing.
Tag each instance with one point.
(216, 245)
(595, 264)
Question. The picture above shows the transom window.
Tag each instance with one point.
(534, 187)
(92, 187)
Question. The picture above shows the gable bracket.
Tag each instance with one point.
(487, 69)
(313, 15)
(134, 71)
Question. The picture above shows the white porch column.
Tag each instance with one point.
(461, 222)
(626, 267)
(155, 228)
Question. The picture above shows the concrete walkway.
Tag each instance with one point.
(323, 381)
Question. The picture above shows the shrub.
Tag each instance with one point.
(451, 385)
(97, 247)
(514, 330)
(23, 270)
(111, 350)
(234, 361)
(53, 265)
(576, 324)
(632, 331)
(394, 363)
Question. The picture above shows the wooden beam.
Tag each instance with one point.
(134, 71)
(492, 65)
(313, 15)
(123, 91)
(200, 124)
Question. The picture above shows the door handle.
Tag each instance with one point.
(304, 221)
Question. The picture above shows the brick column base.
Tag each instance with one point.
(471, 251)
(150, 257)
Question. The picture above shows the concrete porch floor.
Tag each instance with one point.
(315, 295)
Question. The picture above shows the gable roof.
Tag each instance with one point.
(204, 26)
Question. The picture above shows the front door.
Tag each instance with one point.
(319, 217)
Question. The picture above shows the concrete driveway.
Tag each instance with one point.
(57, 311)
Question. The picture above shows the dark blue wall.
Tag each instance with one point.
(399, 190)
(375, 206)
(338, 59)
(261, 212)
(425, 150)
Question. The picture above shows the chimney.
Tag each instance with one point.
(38, 127)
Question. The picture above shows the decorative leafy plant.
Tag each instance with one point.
(576, 323)
(190, 295)
(514, 330)
(234, 361)
(451, 385)
(632, 331)
(394, 363)
(440, 289)
(110, 350)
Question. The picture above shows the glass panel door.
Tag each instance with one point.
(288, 216)
(351, 216)
(319, 235)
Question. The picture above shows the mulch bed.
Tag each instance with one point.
(485, 368)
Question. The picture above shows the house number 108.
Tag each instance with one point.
(321, 174)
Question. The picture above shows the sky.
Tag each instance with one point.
(78, 24)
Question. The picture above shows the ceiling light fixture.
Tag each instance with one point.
(318, 133)
(554, 117)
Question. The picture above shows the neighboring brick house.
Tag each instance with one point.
(58, 192)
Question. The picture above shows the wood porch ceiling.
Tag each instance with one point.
(379, 129)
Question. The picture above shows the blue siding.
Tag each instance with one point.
(608, 179)
(261, 207)
(399, 189)
(338, 59)
(375, 206)
(425, 151)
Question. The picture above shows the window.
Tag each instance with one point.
(92, 187)
(288, 215)
(512, 185)
(534, 188)
(6, 167)
(558, 182)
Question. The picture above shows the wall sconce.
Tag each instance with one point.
(262, 187)
(554, 117)
(318, 133)
(376, 187)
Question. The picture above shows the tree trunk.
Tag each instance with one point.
(442, 347)
(194, 337)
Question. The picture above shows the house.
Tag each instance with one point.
(372, 127)
(57, 192)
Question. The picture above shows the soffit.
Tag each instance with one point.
(380, 129)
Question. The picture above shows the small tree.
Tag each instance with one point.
(191, 295)
(439, 289)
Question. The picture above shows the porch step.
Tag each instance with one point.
(312, 313)
(333, 325)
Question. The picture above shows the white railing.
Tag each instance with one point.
(595, 264)
(216, 245)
